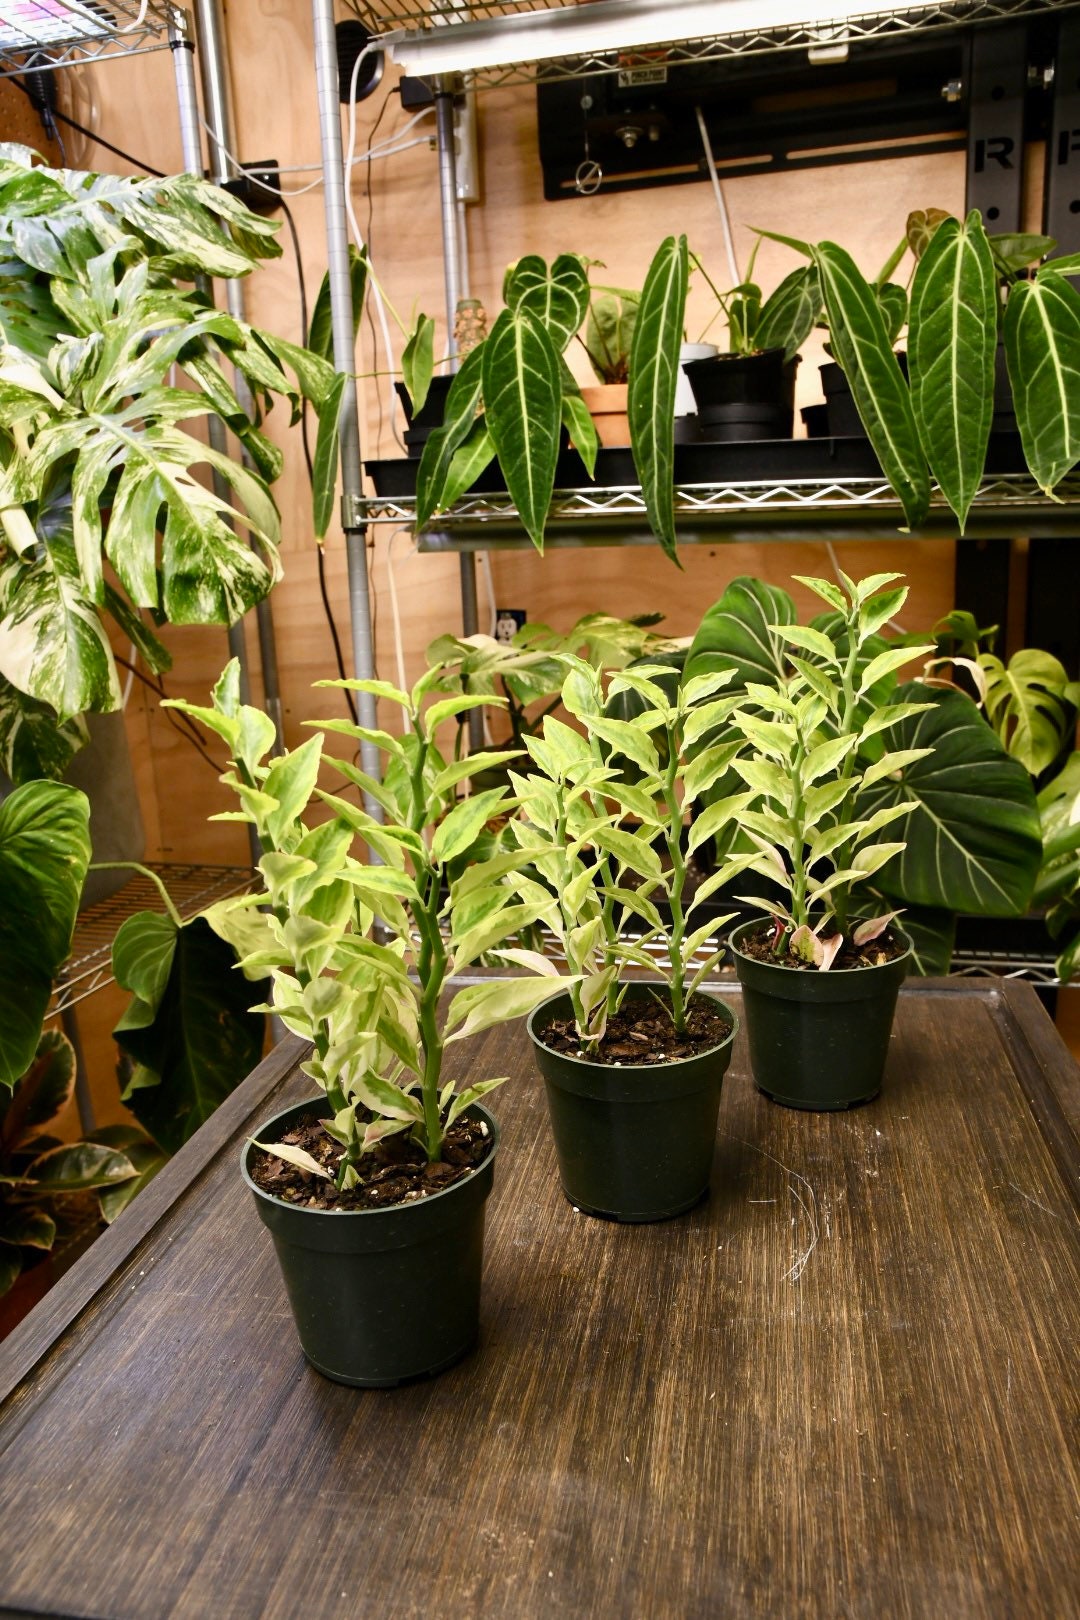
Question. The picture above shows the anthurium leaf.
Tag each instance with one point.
(558, 298)
(523, 410)
(951, 345)
(577, 419)
(790, 313)
(973, 836)
(861, 345)
(325, 462)
(1042, 350)
(44, 852)
(468, 462)
(418, 361)
(459, 414)
(654, 376)
(1031, 704)
(609, 332)
(201, 1043)
(320, 338)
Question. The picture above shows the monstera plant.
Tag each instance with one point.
(99, 323)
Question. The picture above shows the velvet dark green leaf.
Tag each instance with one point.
(1042, 348)
(522, 391)
(654, 374)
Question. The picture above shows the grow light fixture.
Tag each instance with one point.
(463, 39)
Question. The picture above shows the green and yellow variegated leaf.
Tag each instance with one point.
(53, 645)
(480, 1006)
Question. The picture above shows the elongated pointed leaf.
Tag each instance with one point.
(320, 337)
(790, 313)
(973, 836)
(861, 345)
(951, 344)
(325, 463)
(418, 361)
(654, 375)
(462, 403)
(468, 462)
(523, 411)
(1042, 349)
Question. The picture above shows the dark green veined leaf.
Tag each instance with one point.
(523, 411)
(462, 403)
(577, 419)
(558, 297)
(320, 339)
(951, 343)
(42, 1093)
(418, 361)
(53, 644)
(197, 1044)
(33, 742)
(736, 631)
(791, 312)
(44, 853)
(861, 346)
(469, 461)
(325, 463)
(932, 934)
(973, 836)
(1017, 250)
(1031, 704)
(893, 304)
(1042, 349)
(609, 332)
(654, 374)
(142, 955)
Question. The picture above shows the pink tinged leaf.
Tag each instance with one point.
(805, 945)
(873, 928)
(830, 949)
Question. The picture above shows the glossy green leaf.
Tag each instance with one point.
(609, 333)
(1031, 704)
(1042, 349)
(320, 338)
(44, 852)
(654, 376)
(462, 403)
(861, 345)
(418, 361)
(142, 955)
(325, 461)
(80, 1168)
(41, 1095)
(951, 346)
(973, 836)
(468, 462)
(523, 410)
(790, 314)
(558, 297)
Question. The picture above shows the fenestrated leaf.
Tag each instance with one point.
(861, 345)
(522, 389)
(1031, 704)
(952, 339)
(201, 1043)
(1042, 349)
(973, 837)
(790, 313)
(558, 297)
(654, 376)
(44, 852)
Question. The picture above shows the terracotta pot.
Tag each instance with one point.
(607, 406)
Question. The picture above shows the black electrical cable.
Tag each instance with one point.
(118, 151)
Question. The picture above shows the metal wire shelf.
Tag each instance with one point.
(45, 34)
(1006, 504)
(420, 18)
(192, 889)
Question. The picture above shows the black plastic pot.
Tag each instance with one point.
(818, 1040)
(429, 416)
(381, 1295)
(1004, 420)
(744, 396)
(842, 413)
(634, 1143)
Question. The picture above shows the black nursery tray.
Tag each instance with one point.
(746, 461)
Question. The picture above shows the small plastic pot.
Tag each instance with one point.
(427, 418)
(844, 421)
(744, 396)
(818, 1040)
(381, 1295)
(634, 1143)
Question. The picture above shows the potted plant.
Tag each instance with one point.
(374, 1191)
(607, 339)
(632, 1070)
(749, 392)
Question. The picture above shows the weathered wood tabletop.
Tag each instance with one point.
(841, 1387)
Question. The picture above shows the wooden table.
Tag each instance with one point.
(841, 1387)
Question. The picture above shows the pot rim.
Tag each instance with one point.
(775, 967)
(626, 1068)
(320, 1103)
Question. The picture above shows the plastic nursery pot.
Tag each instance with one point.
(381, 1295)
(634, 1143)
(744, 396)
(843, 417)
(818, 1040)
(429, 416)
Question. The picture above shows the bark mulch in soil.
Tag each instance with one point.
(395, 1172)
(642, 1032)
(875, 953)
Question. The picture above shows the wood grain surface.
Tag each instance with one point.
(843, 1386)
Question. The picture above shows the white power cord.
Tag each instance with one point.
(725, 221)
(395, 614)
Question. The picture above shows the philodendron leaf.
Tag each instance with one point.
(325, 463)
(44, 852)
(142, 955)
(973, 837)
(654, 375)
(558, 297)
(952, 338)
(522, 390)
(861, 345)
(743, 630)
(791, 312)
(1042, 349)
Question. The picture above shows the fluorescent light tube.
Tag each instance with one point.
(451, 46)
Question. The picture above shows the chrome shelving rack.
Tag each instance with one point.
(42, 34)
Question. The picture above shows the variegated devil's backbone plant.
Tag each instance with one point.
(371, 1001)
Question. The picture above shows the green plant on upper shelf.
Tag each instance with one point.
(970, 823)
(784, 320)
(372, 1006)
(96, 466)
(608, 334)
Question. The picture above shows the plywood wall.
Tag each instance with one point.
(396, 200)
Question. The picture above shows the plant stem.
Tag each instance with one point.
(842, 895)
(799, 913)
(144, 871)
(673, 835)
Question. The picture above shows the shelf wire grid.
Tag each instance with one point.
(383, 17)
(45, 34)
(191, 888)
